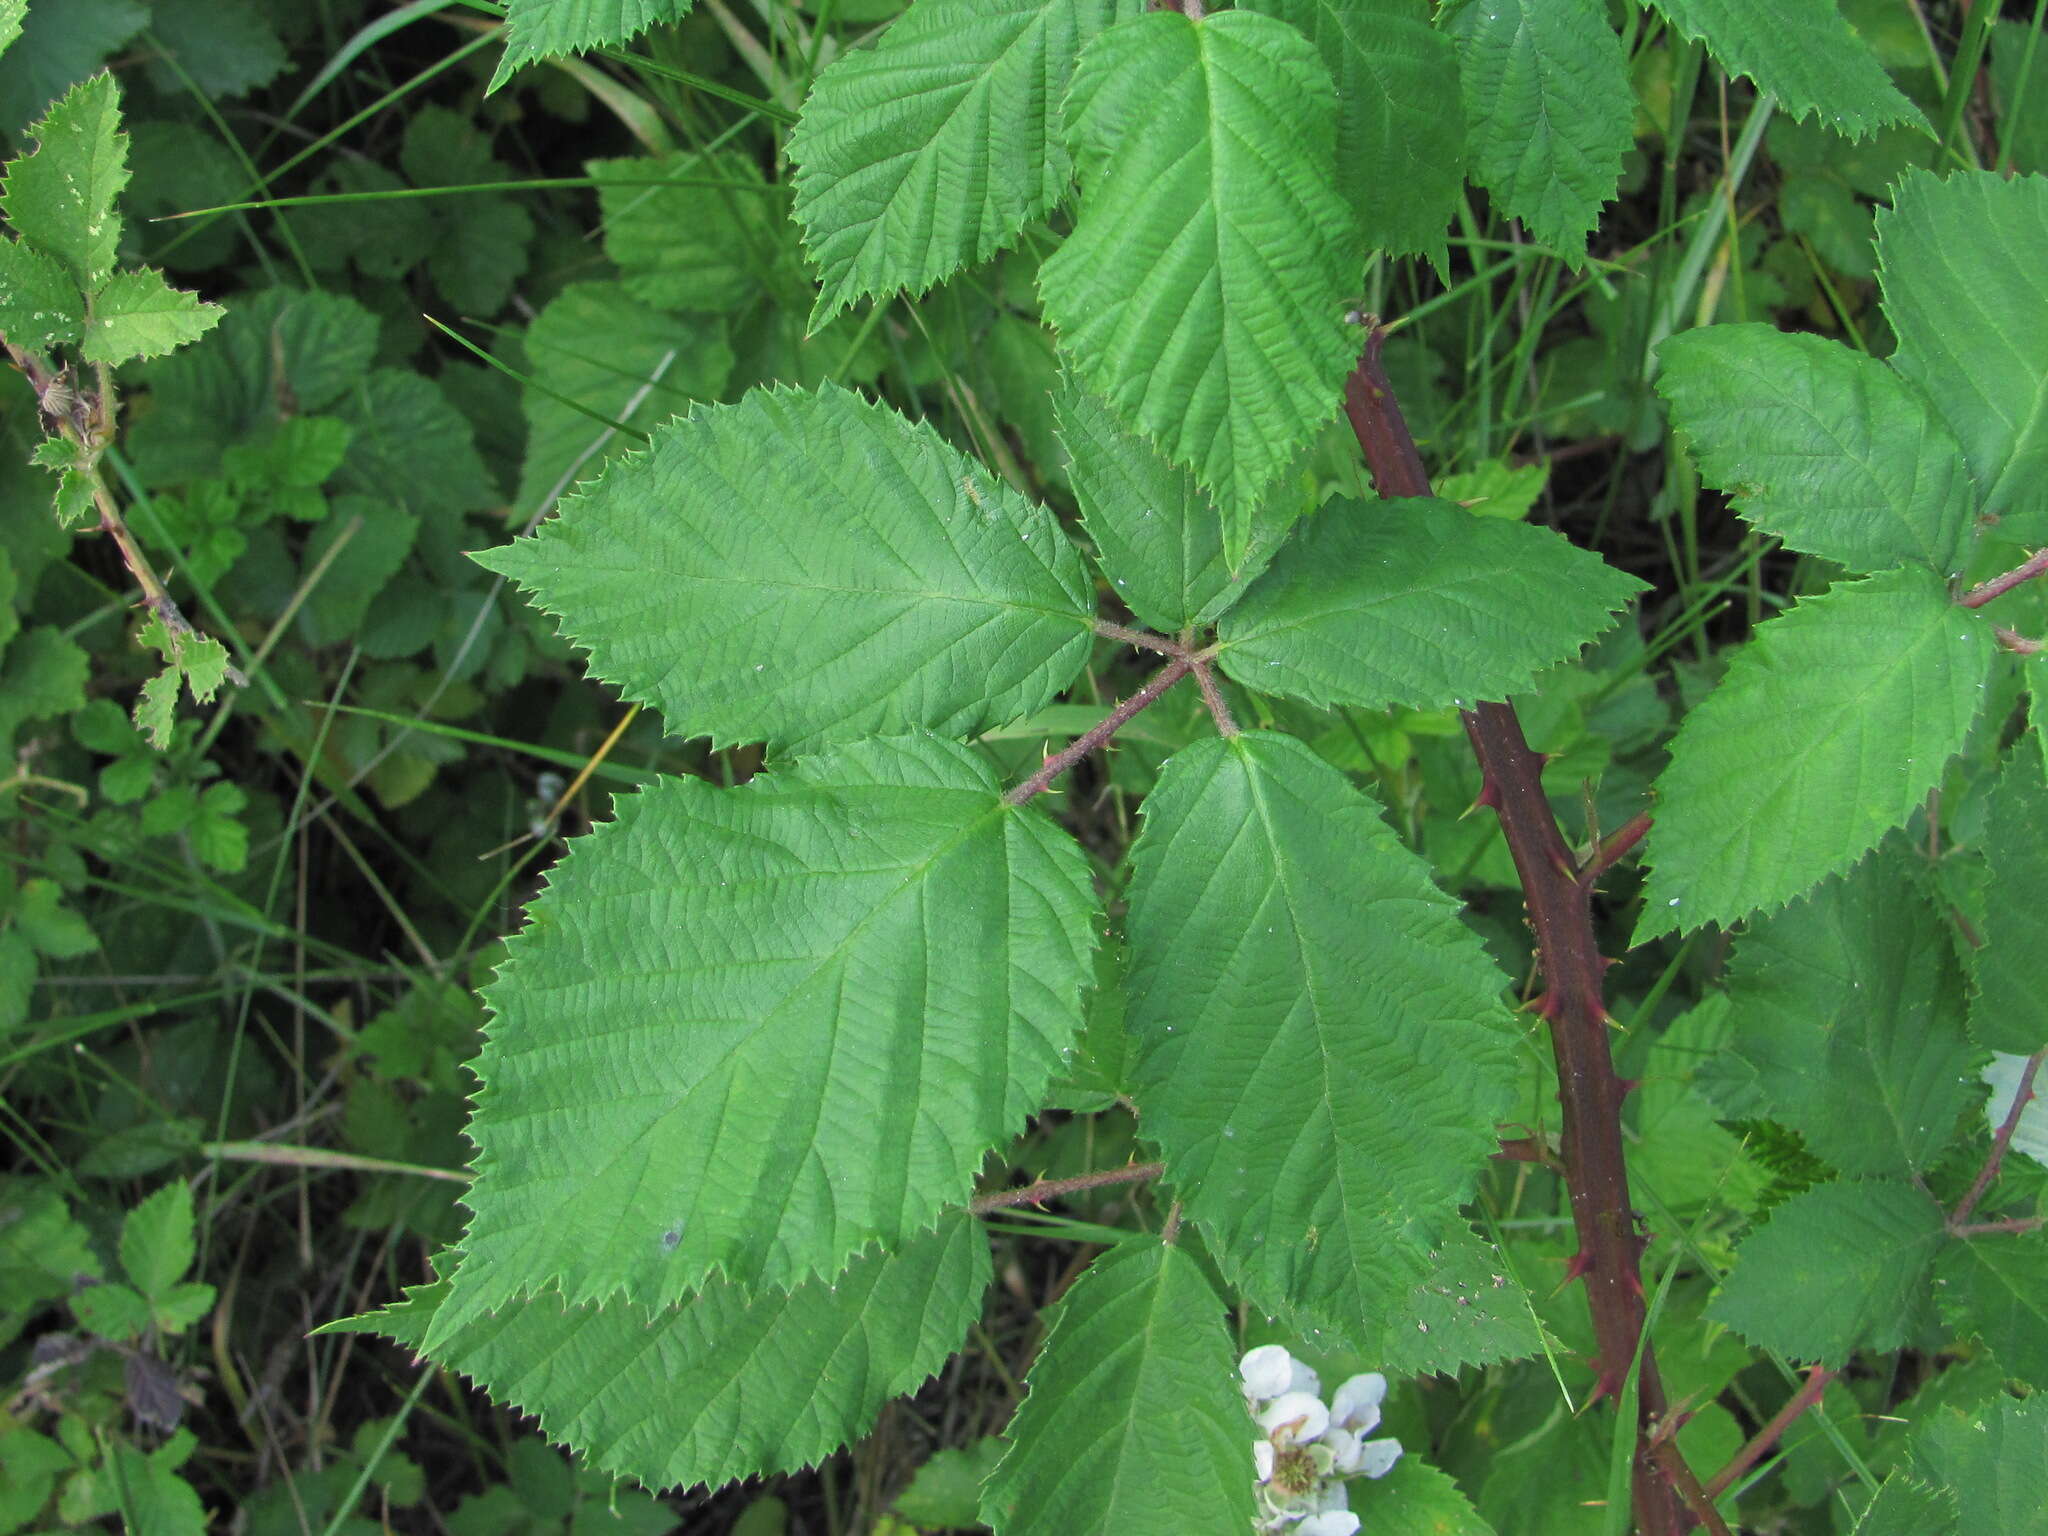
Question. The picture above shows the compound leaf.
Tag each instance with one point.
(138, 314)
(1838, 1268)
(1972, 322)
(546, 29)
(1202, 291)
(798, 568)
(1323, 1047)
(1997, 1288)
(60, 197)
(1804, 53)
(1827, 448)
(722, 1384)
(749, 1031)
(1829, 729)
(1849, 1006)
(1548, 110)
(1138, 1344)
(1418, 603)
(1400, 154)
(2009, 1005)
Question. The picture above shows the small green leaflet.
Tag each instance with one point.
(1548, 110)
(1903, 1507)
(1417, 603)
(1827, 448)
(1839, 1268)
(1803, 53)
(725, 1383)
(60, 198)
(1133, 1422)
(2009, 1008)
(1849, 1006)
(40, 306)
(1972, 323)
(932, 150)
(1996, 1286)
(801, 568)
(1202, 291)
(1827, 732)
(750, 1031)
(546, 29)
(1321, 1074)
(138, 314)
(703, 244)
(1991, 1455)
(1400, 155)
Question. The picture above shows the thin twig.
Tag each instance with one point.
(1053, 1189)
(1614, 849)
(2036, 565)
(1809, 1393)
(1144, 639)
(1101, 731)
(1212, 696)
(2002, 1140)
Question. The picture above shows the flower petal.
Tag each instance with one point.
(1335, 1522)
(1262, 1458)
(1299, 1416)
(1376, 1458)
(1268, 1371)
(1357, 1403)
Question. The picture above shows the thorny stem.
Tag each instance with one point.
(1560, 910)
(1614, 849)
(1052, 1189)
(1143, 639)
(1101, 731)
(1212, 696)
(1998, 586)
(1999, 1143)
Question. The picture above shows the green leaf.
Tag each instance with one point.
(1134, 1421)
(40, 306)
(597, 345)
(1466, 1311)
(60, 45)
(823, 569)
(1803, 53)
(1202, 291)
(42, 674)
(2009, 1007)
(12, 13)
(1991, 1456)
(1548, 110)
(411, 446)
(1829, 729)
(1400, 155)
(1996, 1286)
(112, 1311)
(51, 928)
(138, 314)
(738, 1035)
(60, 197)
(157, 1244)
(1321, 1074)
(1849, 1005)
(946, 1492)
(224, 47)
(2019, 83)
(379, 536)
(1827, 448)
(181, 1306)
(1903, 1507)
(1971, 316)
(932, 150)
(1159, 538)
(723, 1384)
(688, 246)
(1416, 1499)
(1417, 603)
(545, 29)
(1838, 1269)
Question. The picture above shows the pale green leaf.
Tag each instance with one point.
(157, 1243)
(546, 29)
(2009, 1008)
(1827, 448)
(156, 708)
(1324, 1050)
(1467, 1310)
(60, 197)
(1548, 110)
(596, 345)
(51, 927)
(1991, 1455)
(1838, 1268)
(12, 13)
(1966, 291)
(1159, 538)
(1829, 729)
(688, 245)
(799, 568)
(1903, 1507)
(1133, 1421)
(723, 1384)
(1400, 154)
(751, 1030)
(1202, 291)
(1996, 1287)
(1416, 1499)
(40, 306)
(1849, 1004)
(112, 1311)
(138, 314)
(932, 150)
(1803, 53)
(1417, 603)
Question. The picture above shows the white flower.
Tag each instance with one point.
(1376, 1458)
(1306, 1380)
(1343, 1448)
(1298, 1416)
(1262, 1458)
(1268, 1371)
(1357, 1403)
(1336, 1522)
